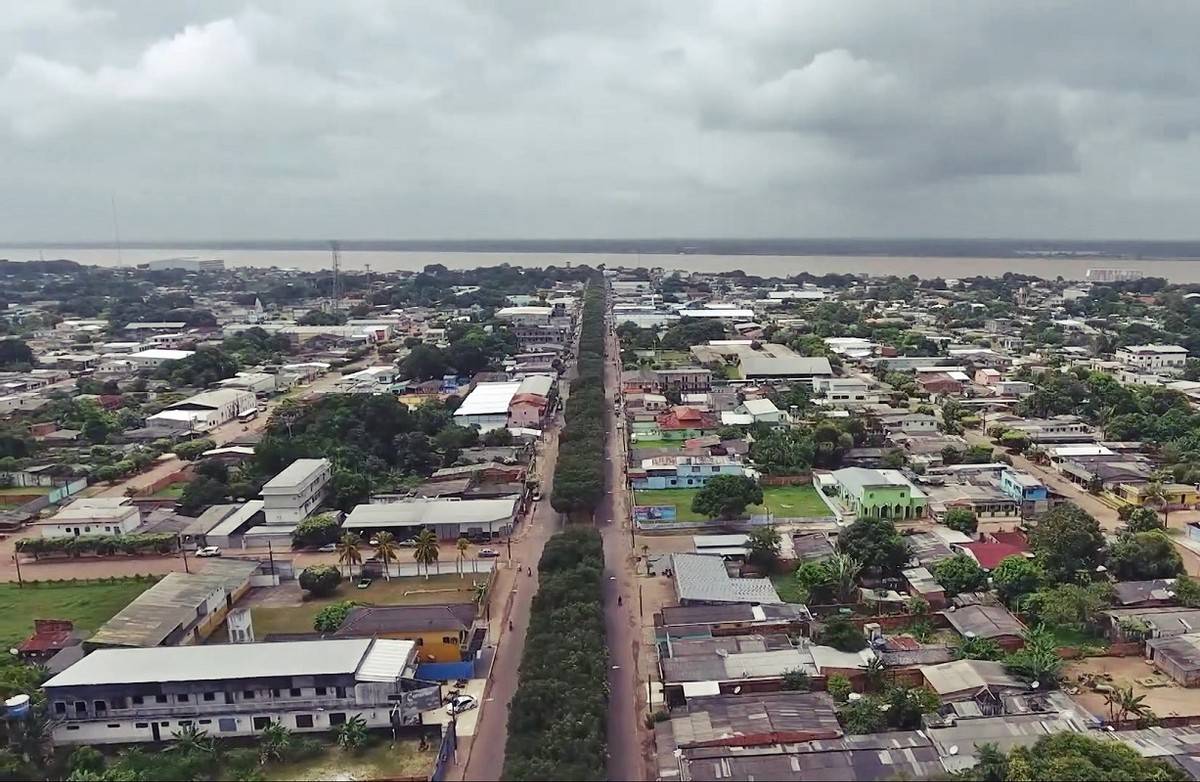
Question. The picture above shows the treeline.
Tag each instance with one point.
(579, 474)
(133, 543)
(557, 725)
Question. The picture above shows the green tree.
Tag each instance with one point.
(15, 354)
(876, 544)
(273, 742)
(1038, 660)
(863, 716)
(192, 449)
(796, 680)
(349, 550)
(351, 735)
(1070, 757)
(1187, 591)
(331, 617)
(1015, 577)
(320, 580)
(962, 519)
(839, 688)
(1068, 543)
(727, 497)
(1155, 493)
(959, 573)
(191, 739)
(976, 648)
(1143, 556)
(462, 546)
(764, 544)
(842, 635)
(426, 551)
(1069, 605)
(387, 551)
(199, 493)
(841, 574)
(316, 530)
(1143, 520)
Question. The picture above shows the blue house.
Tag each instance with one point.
(1026, 489)
(683, 472)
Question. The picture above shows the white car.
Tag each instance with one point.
(209, 551)
(461, 703)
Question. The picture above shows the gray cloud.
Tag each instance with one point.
(373, 118)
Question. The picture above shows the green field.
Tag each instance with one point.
(172, 491)
(410, 590)
(88, 605)
(674, 445)
(780, 500)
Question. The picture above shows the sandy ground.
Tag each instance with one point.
(1167, 700)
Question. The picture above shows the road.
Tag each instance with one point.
(622, 624)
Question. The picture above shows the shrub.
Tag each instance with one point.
(839, 688)
(330, 618)
(320, 580)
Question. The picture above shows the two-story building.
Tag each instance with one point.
(115, 696)
(886, 494)
(292, 495)
(683, 472)
(1026, 489)
(206, 410)
(1165, 359)
(685, 380)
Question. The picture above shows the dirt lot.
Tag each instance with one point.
(1165, 697)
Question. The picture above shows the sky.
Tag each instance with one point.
(310, 119)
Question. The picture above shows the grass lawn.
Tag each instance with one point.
(411, 590)
(785, 585)
(173, 491)
(88, 605)
(402, 760)
(731, 372)
(794, 501)
(681, 499)
(675, 445)
(1070, 636)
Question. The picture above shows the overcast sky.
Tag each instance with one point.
(225, 119)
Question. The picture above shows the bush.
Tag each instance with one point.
(316, 531)
(193, 448)
(842, 635)
(839, 688)
(961, 519)
(320, 580)
(330, 618)
(796, 680)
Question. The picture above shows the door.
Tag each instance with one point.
(155, 732)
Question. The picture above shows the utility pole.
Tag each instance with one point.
(182, 552)
(336, 291)
(271, 556)
(17, 562)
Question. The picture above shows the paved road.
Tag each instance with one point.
(621, 622)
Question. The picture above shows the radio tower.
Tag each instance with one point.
(336, 292)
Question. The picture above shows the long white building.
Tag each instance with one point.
(292, 495)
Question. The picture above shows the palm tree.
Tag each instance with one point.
(349, 550)
(273, 742)
(843, 571)
(463, 545)
(426, 550)
(1156, 494)
(189, 739)
(351, 734)
(385, 549)
(1122, 702)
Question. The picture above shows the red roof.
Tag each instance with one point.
(989, 554)
(682, 417)
(533, 399)
(1012, 537)
(48, 635)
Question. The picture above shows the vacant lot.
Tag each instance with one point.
(682, 500)
(794, 501)
(417, 590)
(88, 605)
(1162, 695)
(673, 445)
(401, 760)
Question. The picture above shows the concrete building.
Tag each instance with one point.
(1167, 359)
(143, 695)
(1026, 489)
(205, 410)
(441, 632)
(449, 518)
(292, 495)
(880, 493)
(258, 382)
(155, 357)
(682, 472)
(491, 405)
(92, 516)
(181, 609)
(1177, 656)
(186, 264)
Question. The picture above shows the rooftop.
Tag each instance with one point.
(295, 475)
(426, 512)
(984, 621)
(701, 578)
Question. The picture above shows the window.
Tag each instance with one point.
(80, 707)
(210, 696)
(295, 692)
(160, 698)
(448, 640)
(260, 723)
(137, 700)
(337, 718)
(165, 724)
(100, 706)
(206, 722)
(304, 720)
(114, 724)
(227, 724)
(340, 692)
(320, 690)
(247, 695)
(72, 727)
(182, 697)
(87, 529)
(60, 707)
(141, 725)
(275, 693)
(184, 723)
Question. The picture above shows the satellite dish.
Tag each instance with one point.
(954, 749)
(1034, 685)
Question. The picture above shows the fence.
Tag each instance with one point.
(446, 752)
(799, 479)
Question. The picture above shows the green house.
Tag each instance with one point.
(885, 494)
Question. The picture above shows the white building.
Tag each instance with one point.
(292, 495)
(258, 382)
(529, 315)
(449, 518)
(1155, 358)
(488, 404)
(186, 264)
(115, 696)
(372, 380)
(92, 516)
(753, 411)
(155, 357)
(845, 391)
(205, 410)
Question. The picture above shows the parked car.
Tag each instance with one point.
(327, 548)
(408, 543)
(488, 553)
(461, 703)
(364, 582)
(209, 551)
(373, 542)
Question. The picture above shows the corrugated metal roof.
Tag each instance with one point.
(386, 660)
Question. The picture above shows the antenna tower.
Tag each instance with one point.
(336, 292)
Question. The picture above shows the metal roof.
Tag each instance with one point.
(222, 662)
(428, 512)
(488, 399)
(702, 578)
(295, 475)
(386, 660)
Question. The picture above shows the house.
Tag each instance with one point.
(988, 621)
(754, 411)
(179, 610)
(986, 501)
(1061, 429)
(258, 382)
(1177, 656)
(488, 405)
(970, 679)
(155, 357)
(880, 493)
(922, 584)
(372, 380)
(685, 380)
(205, 411)
(92, 516)
(756, 365)
(703, 580)
(1141, 622)
(115, 696)
(990, 553)
(1144, 594)
(909, 423)
(733, 619)
(682, 422)
(1026, 489)
(50, 636)
(1165, 359)
(449, 518)
(292, 495)
(845, 392)
(672, 472)
(939, 383)
(441, 632)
